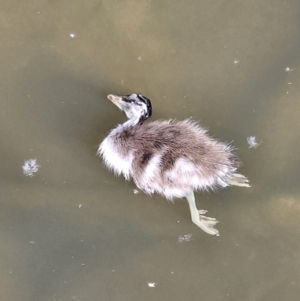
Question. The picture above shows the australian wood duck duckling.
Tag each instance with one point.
(171, 158)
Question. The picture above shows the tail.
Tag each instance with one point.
(238, 180)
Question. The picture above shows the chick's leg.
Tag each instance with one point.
(203, 222)
(238, 180)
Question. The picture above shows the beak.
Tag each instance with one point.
(115, 99)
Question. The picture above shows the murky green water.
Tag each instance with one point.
(75, 232)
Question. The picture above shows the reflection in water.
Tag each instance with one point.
(75, 232)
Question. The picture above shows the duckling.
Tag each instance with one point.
(170, 158)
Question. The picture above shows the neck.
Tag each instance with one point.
(122, 130)
(133, 121)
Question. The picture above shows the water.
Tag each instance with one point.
(73, 231)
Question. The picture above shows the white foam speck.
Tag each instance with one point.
(252, 142)
(152, 284)
(79, 206)
(184, 238)
(288, 69)
(236, 62)
(135, 191)
(72, 35)
(30, 167)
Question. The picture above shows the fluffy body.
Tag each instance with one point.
(171, 158)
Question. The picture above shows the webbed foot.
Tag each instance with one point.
(238, 180)
(199, 219)
(206, 223)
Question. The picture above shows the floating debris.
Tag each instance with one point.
(152, 284)
(236, 62)
(79, 206)
(72, 35)
(140, 58)
(135, 191)
(184, 238)
(30, 167)
(288, 69)
(252, 142)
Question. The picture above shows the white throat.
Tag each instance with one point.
(134, 120)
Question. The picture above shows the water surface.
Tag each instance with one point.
(75, 232)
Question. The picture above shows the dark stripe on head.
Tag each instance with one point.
(147, 102)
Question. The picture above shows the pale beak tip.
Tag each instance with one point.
(110, 97)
